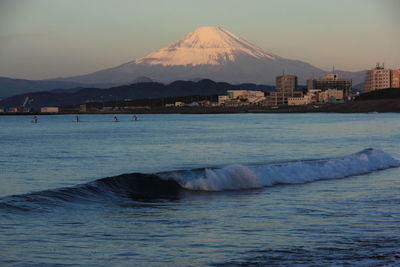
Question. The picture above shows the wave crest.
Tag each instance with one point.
(228, 178)
(235, 177)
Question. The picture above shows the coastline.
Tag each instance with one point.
(365, 106)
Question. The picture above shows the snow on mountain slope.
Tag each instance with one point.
(205, 45)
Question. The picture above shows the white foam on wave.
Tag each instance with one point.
(235, 177)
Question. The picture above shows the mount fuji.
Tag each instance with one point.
(213, 53)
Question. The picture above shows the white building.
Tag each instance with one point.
(179, 104)
(251, 97)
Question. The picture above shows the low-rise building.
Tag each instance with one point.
(82, 108)
(315, 96)
(279, 98)
(49, 110)
(235, 103)
(194, 104)
(330, 96)
(235, 94)
(297, 101)
(179, 104)
(207, 103)
(236, 98)
(15, 110)
(222, 99)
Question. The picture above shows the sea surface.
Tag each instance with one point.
(200, 190)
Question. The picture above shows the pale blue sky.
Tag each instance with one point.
(51, 38)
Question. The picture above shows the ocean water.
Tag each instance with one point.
(200, 190)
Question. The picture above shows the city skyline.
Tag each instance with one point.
(47, 39)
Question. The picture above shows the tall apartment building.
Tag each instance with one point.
(381, 78)
(395, 78)
(377, 78)
(285, 88)
(331, 81)
(286, 83)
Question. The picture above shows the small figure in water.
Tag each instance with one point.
(116, 119)
(135, 118)
(35, 119)
(77, 118)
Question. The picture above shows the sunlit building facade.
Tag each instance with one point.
(331, 81)
(381, 78)
(395, 78)
(285, 89)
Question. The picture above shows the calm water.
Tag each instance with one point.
(219, 190)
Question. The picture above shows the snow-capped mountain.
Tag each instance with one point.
(208, 52)
(204, 46)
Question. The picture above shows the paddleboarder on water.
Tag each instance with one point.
(35, 119)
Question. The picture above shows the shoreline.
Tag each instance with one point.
(365, 106)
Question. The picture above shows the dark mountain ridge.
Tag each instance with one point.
(10, 86)
(133, 91)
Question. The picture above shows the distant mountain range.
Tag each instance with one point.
(207, 52)
(11, 87)
(133, 91)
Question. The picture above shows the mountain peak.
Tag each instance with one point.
(206, 45)
(206, 52)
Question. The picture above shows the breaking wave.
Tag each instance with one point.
(234, 177)
(170, 185)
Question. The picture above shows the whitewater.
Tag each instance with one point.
(235, 177)
(200, 190)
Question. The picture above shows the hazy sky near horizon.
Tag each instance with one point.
(42, 39)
